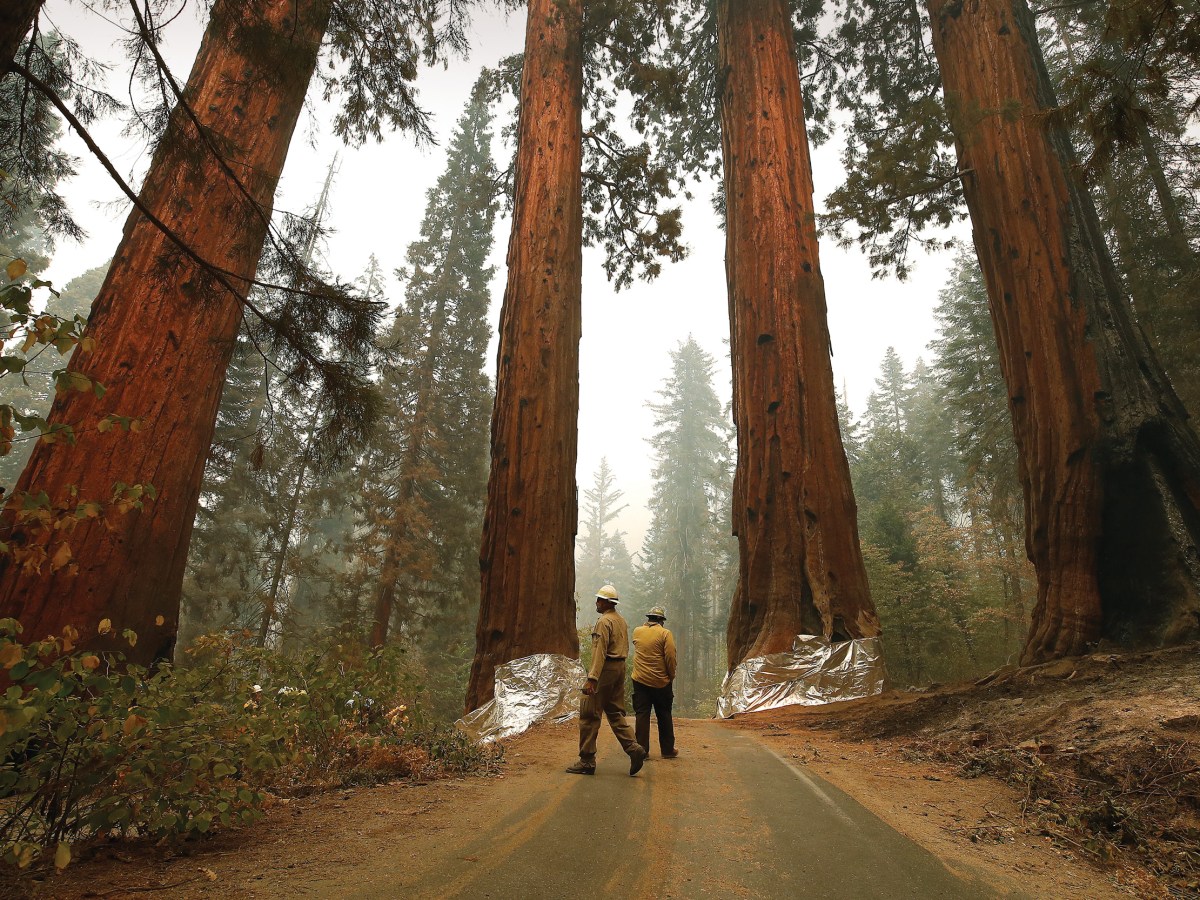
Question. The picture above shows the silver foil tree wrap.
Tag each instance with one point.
(538, 688)
(813, 672)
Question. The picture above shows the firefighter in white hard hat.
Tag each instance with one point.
(653, 677)
(604, 692)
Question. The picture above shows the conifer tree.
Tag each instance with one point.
(886, 476)
(1127, 90)
(166, 320)
(1110, 467)
(426, 493)
(600, 553)
(527, 554)
(793, 507)
(687, 550)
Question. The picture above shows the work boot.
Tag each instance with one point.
(637, 757)
(674, 754)
(582, 768)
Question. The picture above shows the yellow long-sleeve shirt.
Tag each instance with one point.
(610, 640)
(653, 655)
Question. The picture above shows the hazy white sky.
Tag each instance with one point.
(377, 202)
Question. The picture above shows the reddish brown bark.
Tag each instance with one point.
(527, 555)
(16, 18)
(793, 508)
(164, 331)
(1109, 466)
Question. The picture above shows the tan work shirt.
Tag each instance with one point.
(610, 640)
(653, 655)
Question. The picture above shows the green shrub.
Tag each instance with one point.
(92, 747)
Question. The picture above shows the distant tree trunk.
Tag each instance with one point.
(389, 575)
(1109, 467)
(271, 604)
(16, 18)
(164, 332)
(527, 554)
(793, 509)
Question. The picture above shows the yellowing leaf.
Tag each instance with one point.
(104, 425)
(11, 654)
(16, 269)
(61, 557)
(133, 723)
(90, 662)
(62, 856)
(159, 620)
(104, 627)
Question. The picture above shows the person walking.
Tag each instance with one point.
(653, 675)
(604, 692)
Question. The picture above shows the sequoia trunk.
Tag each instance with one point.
(794, 513)
(527, 554)
(164, 330)
(1109, 467)
(16, 18)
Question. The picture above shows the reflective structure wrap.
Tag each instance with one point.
(815, 671)
(528, 690)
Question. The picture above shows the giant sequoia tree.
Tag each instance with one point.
(793, 508)
(164, 329)
(527, 555)
(1109, 466)
(165, 321)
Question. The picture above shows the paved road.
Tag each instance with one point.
(727, 819)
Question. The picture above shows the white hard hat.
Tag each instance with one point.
(609, 593)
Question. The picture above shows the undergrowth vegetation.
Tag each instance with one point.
(1143, 798)
(92, 747)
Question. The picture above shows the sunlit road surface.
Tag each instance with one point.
(728, 818)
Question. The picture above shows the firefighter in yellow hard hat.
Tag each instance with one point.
(653, 676)
(604, 692)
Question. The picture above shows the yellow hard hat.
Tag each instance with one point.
(609, 593)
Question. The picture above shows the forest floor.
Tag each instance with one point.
(1075, 780)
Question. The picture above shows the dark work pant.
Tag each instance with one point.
(646, 698)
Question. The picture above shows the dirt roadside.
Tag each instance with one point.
(999, 779)
(1081, 776)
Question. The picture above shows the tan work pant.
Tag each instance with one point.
(608, 700)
